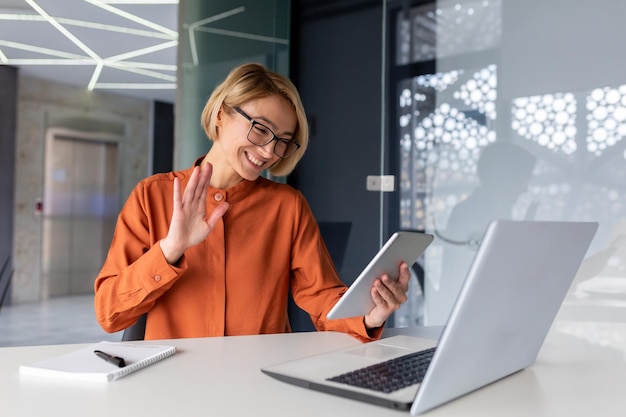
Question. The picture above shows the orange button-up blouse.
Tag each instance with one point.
(234, 283)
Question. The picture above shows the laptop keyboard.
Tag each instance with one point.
(390, 375)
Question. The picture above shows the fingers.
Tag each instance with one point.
(393, 292)
(204, 181)
(378, 299)
(390, 292)
(388, 295)
(403, 278)
(177, 197)
(217, 214)
(189, 225)
(190, 189)
(197, 187)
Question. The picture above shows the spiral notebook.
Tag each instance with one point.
(83, 364)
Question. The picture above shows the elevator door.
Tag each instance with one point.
(80, 205)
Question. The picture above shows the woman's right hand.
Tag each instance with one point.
(189, 225)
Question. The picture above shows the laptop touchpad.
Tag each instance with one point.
(378, 351)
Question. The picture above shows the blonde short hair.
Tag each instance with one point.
(253, 81)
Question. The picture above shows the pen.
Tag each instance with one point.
(115, 360)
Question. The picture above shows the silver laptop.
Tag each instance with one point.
(511, 295)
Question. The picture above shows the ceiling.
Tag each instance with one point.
(121, 46)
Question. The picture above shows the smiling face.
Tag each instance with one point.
(233, 156)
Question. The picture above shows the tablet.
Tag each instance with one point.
(401, 246)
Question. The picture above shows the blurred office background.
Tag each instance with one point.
(480, 109)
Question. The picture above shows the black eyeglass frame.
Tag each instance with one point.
(274, 137)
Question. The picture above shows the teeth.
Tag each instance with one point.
(254, 160)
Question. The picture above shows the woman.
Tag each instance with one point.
(220, 257)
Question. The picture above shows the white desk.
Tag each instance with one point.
(600, 299)
(221, 377)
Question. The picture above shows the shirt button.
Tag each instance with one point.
(157, 278)
(218, 197)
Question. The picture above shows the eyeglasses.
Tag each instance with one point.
(261, 135)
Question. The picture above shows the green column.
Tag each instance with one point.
(214, 37)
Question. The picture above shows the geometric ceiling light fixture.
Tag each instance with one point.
(125, 45)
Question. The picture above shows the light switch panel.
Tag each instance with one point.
(384, 183)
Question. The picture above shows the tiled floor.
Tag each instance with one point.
(55, 321)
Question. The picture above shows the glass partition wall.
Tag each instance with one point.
(216, 36)
(516, 110)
